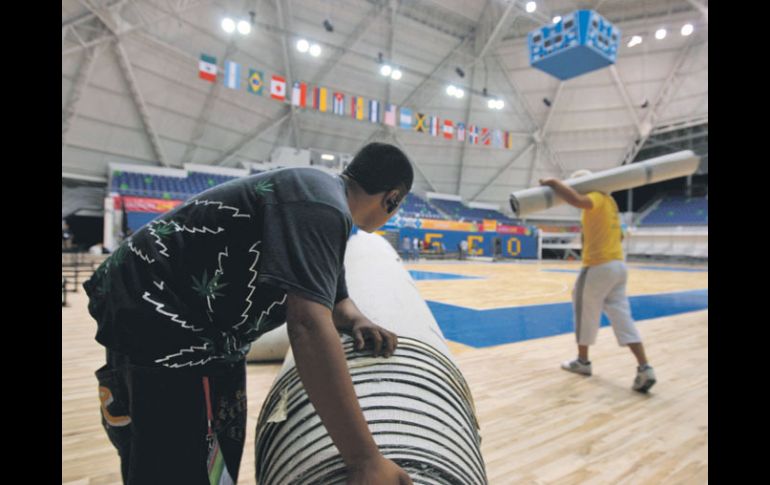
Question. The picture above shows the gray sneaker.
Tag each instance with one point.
(577, 367)
(645, 379)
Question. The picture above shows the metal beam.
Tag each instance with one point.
(349, 42)
(113, 24)
(502, 170)
(662, 99)
(205, 113)
(136, 94)
(83, 76)
(653, 143)
(680, 124)
(703, 9)
(467, 118)
(544, 130)
(284, 24)
(624, 94)
(518, 97)
(391, 38)
(254, 135)
(72, 24)
(429, 77)
(550, 156)
(500, 22)
(414, 162)
(532, 165)
(85, 178)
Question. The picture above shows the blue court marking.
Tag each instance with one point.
(485, 328)
(429, 275)
(651, 268)
(671, 268)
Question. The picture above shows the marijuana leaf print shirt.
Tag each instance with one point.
(194, 287)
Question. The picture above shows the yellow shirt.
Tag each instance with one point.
(601, 231)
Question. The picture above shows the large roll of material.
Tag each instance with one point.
(417, 403)
(270, 347)
(679, 164)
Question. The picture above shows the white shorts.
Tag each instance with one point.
(603, 288)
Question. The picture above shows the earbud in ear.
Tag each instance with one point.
(392, 204)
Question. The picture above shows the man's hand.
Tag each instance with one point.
(368, 334)
(567, 193)
(377, 471)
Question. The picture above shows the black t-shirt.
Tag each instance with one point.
(196, 286)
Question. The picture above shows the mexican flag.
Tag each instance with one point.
(207, 68)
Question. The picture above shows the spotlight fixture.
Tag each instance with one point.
(385, 70)
(634, 41)
(328, 26)
(530, 7)
(460, 72)
(244, 28)
(303, 45)
(315, 50)
(396, 74)
(228, 25)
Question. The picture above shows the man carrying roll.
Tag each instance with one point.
(601, 285)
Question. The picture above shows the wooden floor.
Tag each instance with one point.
(538, 424)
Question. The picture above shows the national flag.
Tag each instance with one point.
(278, 88)
(207, 68)
(255, 82)
(339, 104)
(484, 138)
(497, 138)
(473, 134)
(405, 118)
(232, 75)
(357, 107)
(299, 94)
(374, 111)
(449, 129)
(420, 123)
(320, 99)
(508, 140)
(460, 131)
(390, 115)
(434, 122)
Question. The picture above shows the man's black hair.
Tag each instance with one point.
(380, 167)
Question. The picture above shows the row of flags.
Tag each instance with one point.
(322, 99)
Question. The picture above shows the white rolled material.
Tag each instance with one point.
(271, 346)
(417, 403)
(679, 164)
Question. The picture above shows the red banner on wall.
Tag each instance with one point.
(145, 204)
(505, 229)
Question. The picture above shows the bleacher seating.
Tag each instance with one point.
(679, 211)
(415, 206)
(164, 187)
(181, 188)
(456, 210)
